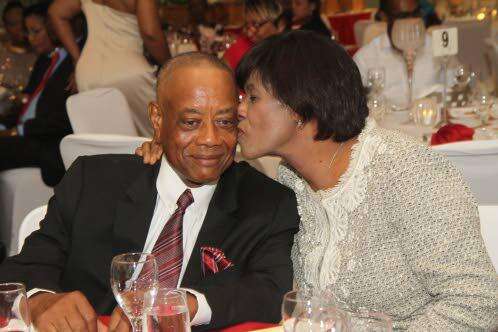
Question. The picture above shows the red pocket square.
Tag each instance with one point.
(213, 260)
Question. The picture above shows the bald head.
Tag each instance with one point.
(188, 60)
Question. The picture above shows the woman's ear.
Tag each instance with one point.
(156, 119)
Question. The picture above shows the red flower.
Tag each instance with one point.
(452, 133)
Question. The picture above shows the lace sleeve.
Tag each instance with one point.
(440, 231)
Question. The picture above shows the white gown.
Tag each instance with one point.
(113, 57)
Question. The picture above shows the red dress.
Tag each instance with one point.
(236, 51)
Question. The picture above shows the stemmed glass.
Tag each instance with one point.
(425, 115)
(408, 35)
(167, 311)
(133, 277)
(364, 320)
(483, 103)
(14, 313)
(303, 312)
(376, 101)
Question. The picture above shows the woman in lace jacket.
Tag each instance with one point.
(386, 223)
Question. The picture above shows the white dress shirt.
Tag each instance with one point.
(169, 188)
(427, 75)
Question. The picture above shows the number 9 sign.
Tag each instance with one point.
(445, 42)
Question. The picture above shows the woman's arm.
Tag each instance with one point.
(442, 241)
(150, 30)
(61, 12)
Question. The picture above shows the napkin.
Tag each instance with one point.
(452, 133)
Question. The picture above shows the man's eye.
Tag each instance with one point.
(253, 99)
(190, 123)
(227, 123)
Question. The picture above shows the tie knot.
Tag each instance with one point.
(185, 200)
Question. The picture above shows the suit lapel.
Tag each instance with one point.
(217, 224)
(134, 213)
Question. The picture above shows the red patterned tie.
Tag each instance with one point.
(168, 249)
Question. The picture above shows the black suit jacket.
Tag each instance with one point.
(104, 206)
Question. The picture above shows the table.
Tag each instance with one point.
(243, 327)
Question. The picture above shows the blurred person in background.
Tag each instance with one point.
(427, 76)
(113, 56)
(306, 16)
(263, 18)
(16, 59)
(30, 134)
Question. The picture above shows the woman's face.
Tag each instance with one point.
(258, 28)
(265, 125)
(38, 35)
(302, 10)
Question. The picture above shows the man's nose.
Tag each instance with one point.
(209, 135)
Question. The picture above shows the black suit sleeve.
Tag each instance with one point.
(43, 257)
(256, 293)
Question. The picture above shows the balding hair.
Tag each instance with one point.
(188, 60)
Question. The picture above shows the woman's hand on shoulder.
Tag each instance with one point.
(151, 152)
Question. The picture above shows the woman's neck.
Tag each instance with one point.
(320, 163)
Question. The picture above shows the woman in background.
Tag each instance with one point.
(113, 56)
(263, 18)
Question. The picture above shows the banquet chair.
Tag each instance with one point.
(478, 161)
(75, 145)
(100, 111)
(489, 230)
(30, 224)
(21, 190)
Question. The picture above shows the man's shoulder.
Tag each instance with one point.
(253, 183)
(111, 167)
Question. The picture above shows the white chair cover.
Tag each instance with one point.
(100, 111)
(478, 161)
(73, 146)
(30, 224)
(489, 230)
(21, 190)
(472, 35)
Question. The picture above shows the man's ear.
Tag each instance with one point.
(156, 119)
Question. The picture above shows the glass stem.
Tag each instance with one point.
(136, 324)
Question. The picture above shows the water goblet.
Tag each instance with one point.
(425, 115)
(167, 311)
(133, 276)
(14, 313)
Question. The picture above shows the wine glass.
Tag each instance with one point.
(133, 276)
(14, 313)
(167, 311)
(303, 312)
(375, 79)
(364, 320)
(408, 35)
(425, 115)
(483, 103)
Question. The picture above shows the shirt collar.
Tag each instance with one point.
(170, 186)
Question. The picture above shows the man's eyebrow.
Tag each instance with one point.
(230, 110)
(191, 110)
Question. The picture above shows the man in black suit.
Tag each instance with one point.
(31, 134)
(111, 204)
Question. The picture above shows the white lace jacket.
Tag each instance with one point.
(399, 234)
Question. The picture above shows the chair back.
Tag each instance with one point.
(30, 224)
(489, 230)
(100, 111)
(75, 145)
(478, 161)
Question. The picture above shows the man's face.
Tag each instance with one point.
(14, 25)
(198, 125)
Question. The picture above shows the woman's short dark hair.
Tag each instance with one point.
(266, 9)
(11, 5)
(315, 77)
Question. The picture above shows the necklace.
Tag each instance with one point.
(335, 154)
